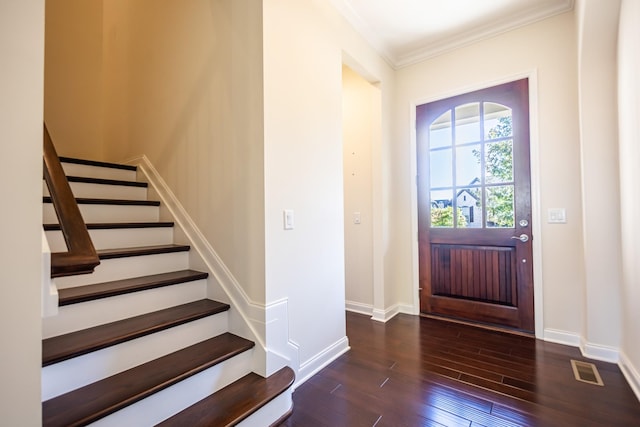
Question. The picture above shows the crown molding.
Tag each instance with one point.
(430, 49)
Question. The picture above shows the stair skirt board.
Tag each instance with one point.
(123, 268)
(163, 404)
(117, 238)
(106, 213)
(70, 374)
(73, 169)
(103, 191)
(85, 315)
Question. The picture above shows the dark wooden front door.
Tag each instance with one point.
(474, 207)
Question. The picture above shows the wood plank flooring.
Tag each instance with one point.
(416, 371)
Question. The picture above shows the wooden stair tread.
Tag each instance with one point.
(120, 202)
(67, 346)
(141, 250)
(97, 163)
(105, 181)
(235, 402)
(96, 291)
(116, 225)
(94, 401)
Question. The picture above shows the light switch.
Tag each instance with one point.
(356, 218)
(288, 219)
(556, 216)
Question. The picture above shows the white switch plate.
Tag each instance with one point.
(556, 216)
(356, 218)
(288, 219)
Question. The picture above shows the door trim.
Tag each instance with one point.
(536, 213)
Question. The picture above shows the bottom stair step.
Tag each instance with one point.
(97, 400)
(235, 402)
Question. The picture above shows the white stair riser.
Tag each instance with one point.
(117, 238)
(103, 191)
(70, 374)
(84, 315)
(73, 169)
(123, 268)
(170, 401)
(271, 412)
(106, 213)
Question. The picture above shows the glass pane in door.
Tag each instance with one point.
(500, 207)
(441, 208)
(468, 123)
(499, 162)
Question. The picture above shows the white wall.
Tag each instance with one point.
(73, 76)
(360, 130)
(21, 105)
(597, 69)
(547, 51)
(304, 42)
(629, 137)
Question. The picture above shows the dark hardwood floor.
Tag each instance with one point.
(416, 371)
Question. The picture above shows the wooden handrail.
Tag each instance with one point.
(81, 257)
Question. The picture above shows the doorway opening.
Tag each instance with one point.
(362, 134)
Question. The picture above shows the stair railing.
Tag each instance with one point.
(81, 257)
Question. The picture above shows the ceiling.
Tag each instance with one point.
(408, 31)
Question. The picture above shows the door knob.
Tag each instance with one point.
(523, 238)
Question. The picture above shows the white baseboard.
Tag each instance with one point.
(562, 337)
(360, 308)
(376, 314)
(389, 313)
(589, 350)
(320, 360)
(600, 352)
(630, 373)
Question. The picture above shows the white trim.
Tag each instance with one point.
(320, 360)
(484, 32)
(398, 60)
(630, 373)
(588, 350)
(536, 217)
(562, 337)
(358, 307)
(536, 209)
(389, 313)
(251, 312)
(281, 350)
(599, 352)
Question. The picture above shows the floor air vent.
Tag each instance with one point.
(586, 372)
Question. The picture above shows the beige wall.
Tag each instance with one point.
(73, 76)
(21, 85)
(546, 51)
(360, 130)
(629, 111)
(184, 87)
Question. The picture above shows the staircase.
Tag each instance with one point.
(138, 343)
